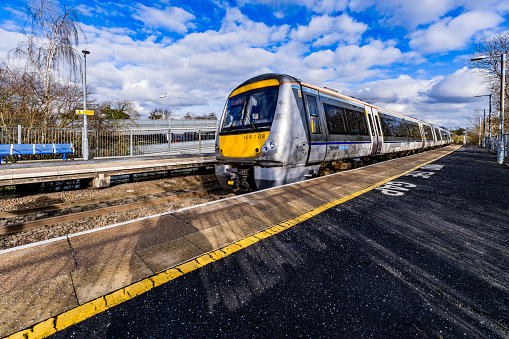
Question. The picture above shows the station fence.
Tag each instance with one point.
(494, 144)
(173, 137)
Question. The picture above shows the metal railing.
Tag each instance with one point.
(166, 137)
(494, 144)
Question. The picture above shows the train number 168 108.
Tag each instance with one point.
(258, 136)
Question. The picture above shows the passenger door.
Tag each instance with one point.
(317, 136)
(376, 133)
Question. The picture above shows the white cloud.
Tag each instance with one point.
(407, 13)
(172, 18)
(443, 100)
(459, 87)
(451, 34)
(357, 62)
(9, 41)
(210, 64)
(198, 70)
(236, 32)
(403, 90)
(326, 30)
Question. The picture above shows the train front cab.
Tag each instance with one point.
(262, 140)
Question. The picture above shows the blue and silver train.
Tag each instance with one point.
(277, 129)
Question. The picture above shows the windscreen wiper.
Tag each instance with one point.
(235, 118)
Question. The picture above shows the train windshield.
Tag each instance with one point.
(251, 111)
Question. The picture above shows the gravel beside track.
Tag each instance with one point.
(13, 202)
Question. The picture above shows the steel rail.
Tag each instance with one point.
(18, 227)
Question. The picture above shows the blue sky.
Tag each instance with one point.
(406, 56)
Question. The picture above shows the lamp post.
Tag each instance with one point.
(479, 130)
(84, 134)
(483, 127)
(500, 151)
(489, 120)
(162, 97)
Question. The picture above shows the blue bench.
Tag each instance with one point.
(34, 149)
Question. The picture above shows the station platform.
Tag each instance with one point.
(55, 283)
(98, 171)
(48, 286)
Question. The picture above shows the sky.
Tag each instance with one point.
(409, 57)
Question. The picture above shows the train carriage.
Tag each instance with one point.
(277, 129)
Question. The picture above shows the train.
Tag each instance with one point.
(277, 129)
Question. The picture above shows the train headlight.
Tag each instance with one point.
(269, 146)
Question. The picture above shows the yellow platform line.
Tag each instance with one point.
(101, 304)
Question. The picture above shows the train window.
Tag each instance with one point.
(402, 130)
(357, 123)
(427, 132)
(387, 125)
(443, 134)
(335, 117)
(437, 134)
(341, 120)
(414, 131)
(252, 110)
(378, 124)
(371, 124)
(314, 116)
(396, 129)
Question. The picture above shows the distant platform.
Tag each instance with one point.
(99, 171)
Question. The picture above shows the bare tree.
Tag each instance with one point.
(155, 115)
(51, 37)
(490, 70)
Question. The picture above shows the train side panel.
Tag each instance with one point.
(348, 132)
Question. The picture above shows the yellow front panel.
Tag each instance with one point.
(242, 145)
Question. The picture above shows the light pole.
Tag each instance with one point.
(162, 97)
(84, 133)
(479, 130)
(500, 151)
(489, 120)
(483, 127)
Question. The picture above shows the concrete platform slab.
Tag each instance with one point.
(218, 213)
(246, 226)
(304, 204)
(96, 247)
(6, 175)
(106, 277)
(29, 172)
(169, 254)
(25, 267)
(317, 190)
(213, 238)
(20, 309)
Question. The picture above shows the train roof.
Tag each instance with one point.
(268, 76)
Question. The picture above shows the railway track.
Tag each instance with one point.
(25, 225)
(72, 211)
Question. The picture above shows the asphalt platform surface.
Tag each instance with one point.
(424, 256)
